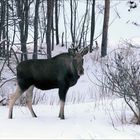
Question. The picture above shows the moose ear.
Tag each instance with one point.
(84, 51)
(71, 51)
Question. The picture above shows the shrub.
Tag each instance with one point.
(122, 78)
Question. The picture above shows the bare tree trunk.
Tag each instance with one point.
(64, 16)
(2, 27)
(43, 24)
(14, 24)
(73, 7)
(62, 39)
(92, 25)
(0, 21)
(71, 22)
(36, 18)
(22, 13)
(138, 121)
(83, 27)
(52, 35)
(56, 22)
(105, 29)
(1, 5)
(74, 20)
(7, 28)
(50, 5)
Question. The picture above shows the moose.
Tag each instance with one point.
(61, 71)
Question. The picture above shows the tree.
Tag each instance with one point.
(22, 14)
(7, 26)
(2, 27)
(105, 28)
(78, 28)
(84, 27)
(92, 25)
(50, 5)
(56, 22)
(73, 8)
(36, 18)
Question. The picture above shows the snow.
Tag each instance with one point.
(83, 121)
(89, 115)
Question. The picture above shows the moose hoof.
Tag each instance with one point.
(34, 115)
(10, 116)
(62, 117)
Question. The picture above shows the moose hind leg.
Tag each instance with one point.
(29, 95)
(12, 101)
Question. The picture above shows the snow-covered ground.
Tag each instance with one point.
(95, 120)
(89, 115)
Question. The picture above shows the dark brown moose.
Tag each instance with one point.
(61, 71)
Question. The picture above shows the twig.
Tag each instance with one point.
(3, 66)
(3, 41)
(2, 100)
(7, 81)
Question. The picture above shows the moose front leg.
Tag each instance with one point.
(62, 96)
(61, 112)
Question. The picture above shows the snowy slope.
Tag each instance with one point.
(94, 120)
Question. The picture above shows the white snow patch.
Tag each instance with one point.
(83, 121)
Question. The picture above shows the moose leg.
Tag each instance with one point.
(12, 101)
(62, 96)
(29, 94)
(61, 112)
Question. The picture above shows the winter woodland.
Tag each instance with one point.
(105, 102)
